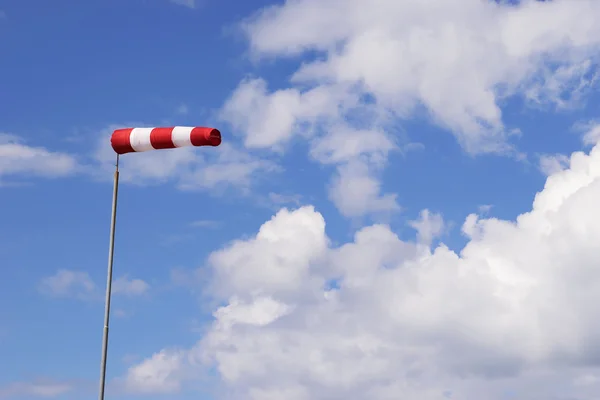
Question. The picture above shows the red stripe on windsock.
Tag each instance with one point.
(201, 136)
(161, 138)
(120, 141)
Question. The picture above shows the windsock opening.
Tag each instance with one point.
(201, 136)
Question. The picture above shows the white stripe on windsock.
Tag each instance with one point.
(140, 139)
(181, 136)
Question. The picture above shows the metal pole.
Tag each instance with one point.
(111, 250)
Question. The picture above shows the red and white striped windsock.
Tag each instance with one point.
(131, 140)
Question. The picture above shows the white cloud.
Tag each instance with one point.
(40, 388)
(67, 283)
(276, 116)
(79, 284)
(565, 86)
(378, 317)
(358, 155)
(130, 287)
(430, 226)
(356, 191)
(456, 58)
(287, 248)
(19, 159)
(591, 132)
(159, 374)
(345, 144)
(230, 166)
(553, 163)
(368, 68)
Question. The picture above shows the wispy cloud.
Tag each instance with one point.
(39, 388)
(66, 283)
(185, 3)
(19, 159)
(226, 166)
(550, 164)
(130, 287)
(79, 285)
(183, 109)
(205, 223)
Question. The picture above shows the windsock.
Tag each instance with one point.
(131, 140)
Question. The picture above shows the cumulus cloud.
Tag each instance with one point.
(381, 317)
(373, 67)
(79, 284)
(19, 159)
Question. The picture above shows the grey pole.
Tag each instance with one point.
(111, 250)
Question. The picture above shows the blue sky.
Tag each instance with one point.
(480, 130)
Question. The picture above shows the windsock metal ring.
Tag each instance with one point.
(132, 140)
